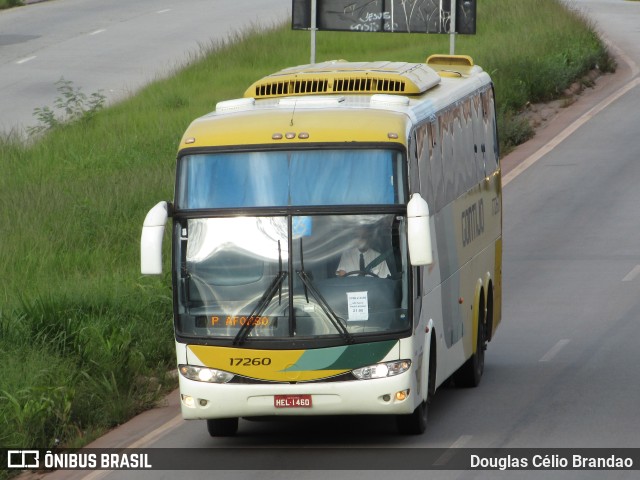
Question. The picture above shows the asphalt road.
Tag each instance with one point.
(113, 47)
(562, 370)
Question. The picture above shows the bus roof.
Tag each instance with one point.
(337, 102)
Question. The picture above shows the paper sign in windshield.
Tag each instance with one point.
(358, 306)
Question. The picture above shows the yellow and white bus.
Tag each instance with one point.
(277, 195)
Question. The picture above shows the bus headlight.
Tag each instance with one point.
(204, 374)
(382, 370)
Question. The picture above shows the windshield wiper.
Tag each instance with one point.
(337, 322)
(263, 303)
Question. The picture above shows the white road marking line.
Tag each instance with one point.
(96, 32)
(446, 456)
(164, 11)
(632, 274)
(461, 441)
(554, 350)
(25, 60)
(154, 435)
(562, 136)
(143, 442)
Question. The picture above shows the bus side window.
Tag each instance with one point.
(466, 144)
(414, 168)
(448, 170)
(490, 134)
(424, 168)
(459, 154)
(479, 142)
(436, 180)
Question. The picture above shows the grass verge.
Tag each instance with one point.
(10, 3)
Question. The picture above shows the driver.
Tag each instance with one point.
(359, 259)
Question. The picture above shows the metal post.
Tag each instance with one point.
(392, 18)
(314, 26)
(452, 29)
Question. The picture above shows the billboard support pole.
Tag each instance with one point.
(452, 29)
(314, 28)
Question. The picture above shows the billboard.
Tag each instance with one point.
(405, 16)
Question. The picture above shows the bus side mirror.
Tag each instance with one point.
(419, 231)
(151, 240)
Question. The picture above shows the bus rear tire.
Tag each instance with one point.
(222, 427)
(415, 423)
(470, 374)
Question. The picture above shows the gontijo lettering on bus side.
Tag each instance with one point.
(472, 222)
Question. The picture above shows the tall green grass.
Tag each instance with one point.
(85, 341)
(10, 3)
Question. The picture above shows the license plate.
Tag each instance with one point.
(292, 401)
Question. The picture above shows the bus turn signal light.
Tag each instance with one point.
(402, 395)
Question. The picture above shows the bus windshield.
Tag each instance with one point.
(285, 277)
(278, 178)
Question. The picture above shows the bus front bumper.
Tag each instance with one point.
(391, 395)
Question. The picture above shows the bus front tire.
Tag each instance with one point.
(415, 423)
(222, 427)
